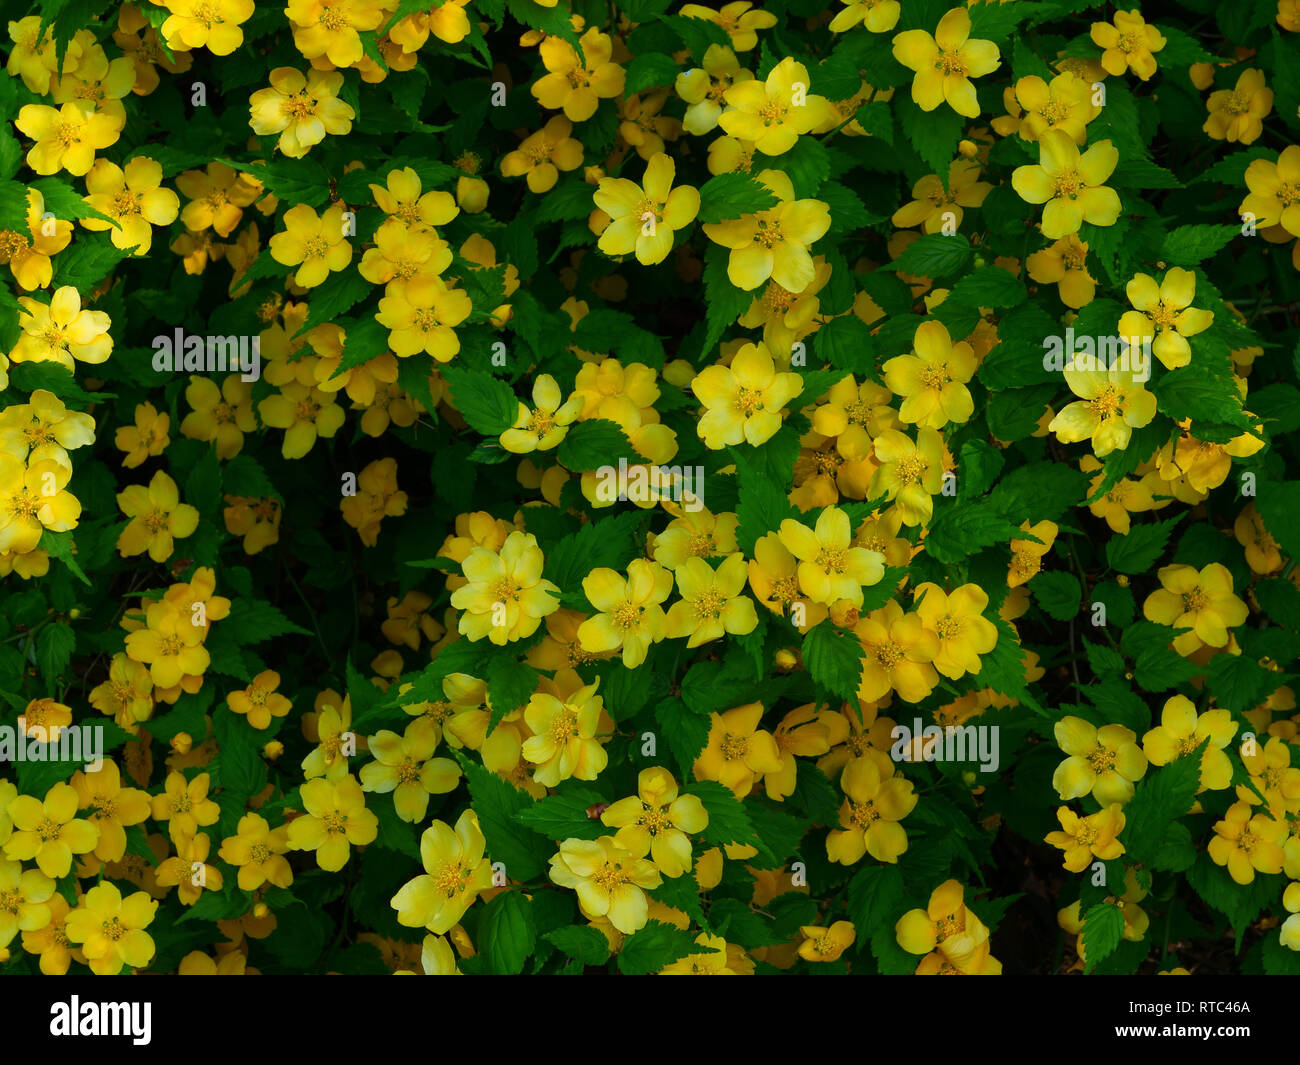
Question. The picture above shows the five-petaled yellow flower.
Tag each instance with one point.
(945, 63)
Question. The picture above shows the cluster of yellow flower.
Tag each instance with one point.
(825, 495)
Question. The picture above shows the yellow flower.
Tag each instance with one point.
(542, 155)
(1181, 732)
(27, 901)
(656, 821)
(543, 427)
(874, 804)
(34, 498)
(957, 620)
(945, 63)
(878, 16)
(826, 944)
(257, 851)
(910, 474)
(455, 874)
(610, 881)
(317, 245)
(506, 596)
(1238, 114)
(158, 517)
(1027, 555)
(300, 109)
(218, 194)
(704, 88)
(1086, 838)
(1200, 601)
(933, 379)
(743, 402)
(564, 743)
(1263, 555)
(33, 57)
(133, 199)
(831, 568)
(1273, 776)
(212, 24)
(147, 437)
(377, 498)
(28, 254)
(219, 415)
(126, 695)
(185, 805)
(422, 316)
(628, 612)
(711, 604)
(949, 928)
(1129, 43)
(645, 217)
(401, 253)
(66, 137)
(61, 331)
(305, 414)
(49, 831)
(329, 29)
(1065, 104)
(1111, 405)
(1165, 312)
(1272, 185)
(898, 654)
(111, 930)
(738, 752)
(402, 197)
(112, 808)
(1106, 761)
(1064, 265)
(1289, 935)
(169, 645)
(773, 113)
(577, 85)
(336, 819)
(190, 863)
(932, 204)
(405, 766)
(1125, 498)
(1247, 844)
(260, 702)
(736, 19)
(1071, 185)
(773, 242)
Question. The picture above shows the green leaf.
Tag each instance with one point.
(933, 135)
(1189, 245)
(564, 816)
(256, 622)
(1057, 593)
(649, 71)
(54, 646)
(728, 820)
(1162, 797)
(489, 405)
(1278, 504)
(724, 302)
(1157, 669)
(687, 733)
(808, 165)
(989, 286)
(241, 768)
(654, 947)
(846, 343)
(834, 659)
(496, 801)
(585, 944)
(508, 935)
(596, 443)
(934, 256)
(961, 529)
(1239, 683)
(334, 297)
(511, 684)
(1103, 928)
(733, 196)
(1137, 552)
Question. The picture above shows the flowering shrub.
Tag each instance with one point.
(507, 487)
